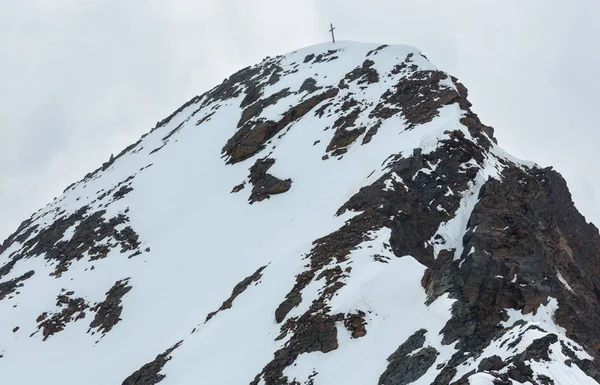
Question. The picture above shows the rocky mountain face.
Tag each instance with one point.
(335, 215)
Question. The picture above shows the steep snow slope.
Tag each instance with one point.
(323, 217)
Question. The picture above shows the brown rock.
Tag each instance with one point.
(251, 137)
(264, 184)
(237, 290)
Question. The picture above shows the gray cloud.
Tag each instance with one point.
(82, 79)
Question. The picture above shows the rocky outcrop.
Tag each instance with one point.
(256, 108)
(492, 363)
(9, 287)
(313, 333)
(251, 137)
(418, 97)
(107, 164)
(376, 50)
(363, 74)
(166, 120)
(265, 184)
(309, 85)
(321, 58)
(408, 209)
(356, 324)
(416, 204)
(526, 230)
(89, 230)
(410, 368)
(72, 310)
(238, 188)
(108, 312)
(345, 131)
(371, 132)
(119, 191)
(517, 242)
(150, 373)
(333, 248)
(237, 290)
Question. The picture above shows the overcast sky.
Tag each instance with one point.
(81, 79)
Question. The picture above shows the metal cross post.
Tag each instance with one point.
(331, 30)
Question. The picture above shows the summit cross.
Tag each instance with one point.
(331, 30)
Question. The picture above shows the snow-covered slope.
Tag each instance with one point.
(335, 215)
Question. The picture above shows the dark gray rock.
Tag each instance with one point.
(490, 363)
(408, 369)
(9, 287)
(150, 373)
(108, 312)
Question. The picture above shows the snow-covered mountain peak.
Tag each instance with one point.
(335, 215)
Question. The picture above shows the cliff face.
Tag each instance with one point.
(335, 215)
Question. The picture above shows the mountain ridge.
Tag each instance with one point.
(315, 198)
